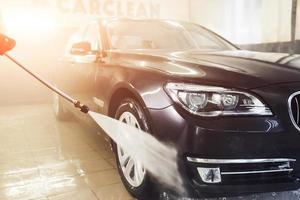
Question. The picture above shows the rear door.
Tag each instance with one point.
(86, 67)
(77, 71)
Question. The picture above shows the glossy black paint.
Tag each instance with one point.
(103, 82)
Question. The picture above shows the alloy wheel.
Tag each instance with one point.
(132, 169)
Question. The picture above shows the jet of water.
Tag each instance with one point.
(157, 158)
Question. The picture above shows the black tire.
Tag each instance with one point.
(59, 109)
(146, 190)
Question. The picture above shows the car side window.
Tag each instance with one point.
(92, 35)
(76, 38)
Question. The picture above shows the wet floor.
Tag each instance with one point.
(41, 158)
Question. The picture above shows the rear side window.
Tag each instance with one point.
(76, 38)
(89, 33)
(92, 35)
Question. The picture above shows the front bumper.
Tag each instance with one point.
(242, 176)
(231, 139)
(243, 189)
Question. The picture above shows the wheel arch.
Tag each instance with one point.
(119, 94)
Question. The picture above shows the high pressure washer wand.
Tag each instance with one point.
(7, 44)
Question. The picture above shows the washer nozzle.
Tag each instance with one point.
(83, 108)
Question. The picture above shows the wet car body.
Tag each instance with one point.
(252, 153)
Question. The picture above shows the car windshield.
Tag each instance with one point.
(164, 35)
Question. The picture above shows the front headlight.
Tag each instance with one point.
(209, 101)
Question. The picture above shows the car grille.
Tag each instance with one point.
(248, 171)
(294, 109)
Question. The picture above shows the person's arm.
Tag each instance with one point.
(6, 44)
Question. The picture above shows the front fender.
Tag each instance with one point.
(149, 92)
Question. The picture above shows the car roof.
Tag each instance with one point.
(124, 19)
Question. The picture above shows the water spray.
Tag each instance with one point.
(157, 158)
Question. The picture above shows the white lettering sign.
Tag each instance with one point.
(110, 8)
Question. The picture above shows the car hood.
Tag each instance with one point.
(241, 69)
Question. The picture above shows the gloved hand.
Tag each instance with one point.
(6, 44)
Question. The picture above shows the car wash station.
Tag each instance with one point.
(149, 99)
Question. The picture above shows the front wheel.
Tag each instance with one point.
(134, 176)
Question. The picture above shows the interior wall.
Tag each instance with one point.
(244, 21)
(298, 21)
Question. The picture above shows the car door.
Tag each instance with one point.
(83, 75)
(86, 67)
(77, 70)
(66, 76)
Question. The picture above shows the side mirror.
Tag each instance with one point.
(81, 48)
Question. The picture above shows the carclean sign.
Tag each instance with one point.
(77, 12)
(110, 8)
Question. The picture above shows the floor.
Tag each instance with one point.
(41, 158)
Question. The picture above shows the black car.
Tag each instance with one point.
(233, 115)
